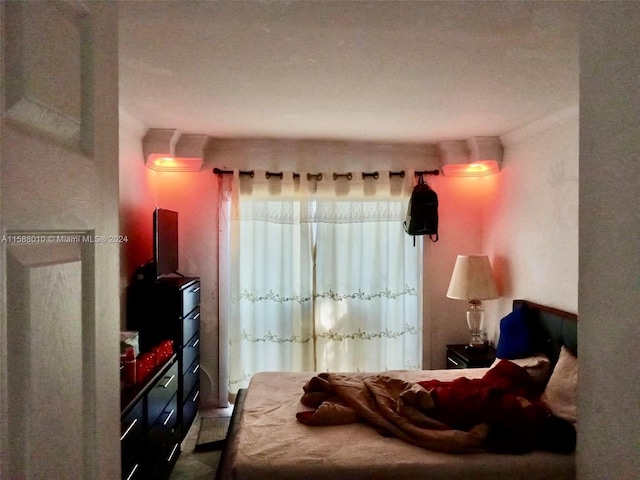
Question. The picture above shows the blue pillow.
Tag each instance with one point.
(515, 335)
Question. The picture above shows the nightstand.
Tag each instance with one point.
(460, 356)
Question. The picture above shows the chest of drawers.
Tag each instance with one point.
(149, 428)
(169, 309)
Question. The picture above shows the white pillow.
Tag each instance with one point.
(561, 392)
(538, 366)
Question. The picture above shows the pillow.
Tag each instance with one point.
(515, 335)
(561, 392)
(537, 366)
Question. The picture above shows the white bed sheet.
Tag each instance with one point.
(272, 444)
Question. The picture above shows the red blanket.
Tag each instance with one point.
(495, 399)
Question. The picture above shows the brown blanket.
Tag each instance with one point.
(392, 406)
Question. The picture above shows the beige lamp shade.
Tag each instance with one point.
(472, 279)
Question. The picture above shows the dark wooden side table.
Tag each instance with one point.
(462, 356)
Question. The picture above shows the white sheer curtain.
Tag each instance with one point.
(368, 277)
(317, 276)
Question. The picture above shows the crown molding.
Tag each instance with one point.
(542, 125)
(131, 124)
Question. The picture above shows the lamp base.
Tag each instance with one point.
(475, 322)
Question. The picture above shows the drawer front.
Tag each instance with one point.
(161, 392)
(453, 361)
(190, 325)
(190, 298)
(134, 471)
(167, 459)
(189, 408)
(164, 426)
(190, 378)
(132, 431)
(189, 353)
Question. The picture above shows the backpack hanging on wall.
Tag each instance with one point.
(422, 213)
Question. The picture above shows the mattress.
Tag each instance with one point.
(272, 444)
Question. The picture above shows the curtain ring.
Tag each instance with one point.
(348, 175)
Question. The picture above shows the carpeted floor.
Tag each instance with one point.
(201, 448)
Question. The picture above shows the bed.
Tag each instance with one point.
(265, 440)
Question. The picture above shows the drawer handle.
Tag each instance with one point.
(126, 432)
(173, 452)
(133, 471)
(195, 344)
(169, 416)
(195, 290)
(169, 381)
(453, 361)
(197, 367)
(195, 397)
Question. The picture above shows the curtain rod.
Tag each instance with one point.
(318, 176)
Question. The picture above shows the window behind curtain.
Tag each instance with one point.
(322, 277)
(367, 286)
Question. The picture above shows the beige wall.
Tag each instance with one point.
(137, 201)
(460, 211)
(531, 220)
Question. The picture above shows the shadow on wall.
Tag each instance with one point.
(502, 275)
(136, 224)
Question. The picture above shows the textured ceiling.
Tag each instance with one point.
(398, 71)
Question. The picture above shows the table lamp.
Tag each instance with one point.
(472, 280)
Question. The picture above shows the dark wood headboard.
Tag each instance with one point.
(553, 328)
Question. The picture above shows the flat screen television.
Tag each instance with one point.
(165, 241)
